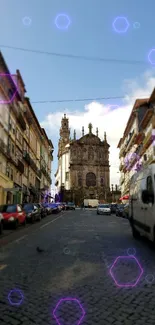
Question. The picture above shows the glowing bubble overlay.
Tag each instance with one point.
(62, 27)
(136, 25)
(133, 251)
(121, 19)
(66, 251)
(127, 285)
(21, 297)
(27, 21)
(151, 60)
(69, 299)
(151, 276)
(4, 84)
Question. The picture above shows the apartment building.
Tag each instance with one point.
(21, 143)
(137, 144)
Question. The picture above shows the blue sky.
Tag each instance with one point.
(90, 34)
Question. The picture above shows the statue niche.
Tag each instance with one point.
(90, 154)
(79, 179)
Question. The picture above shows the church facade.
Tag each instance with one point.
(83, 165)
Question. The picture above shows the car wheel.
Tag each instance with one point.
(32, 219)
(24, 223)
(1, 228)
(135, 233)
(15, 226)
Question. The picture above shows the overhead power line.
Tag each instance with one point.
(77, 57)
(84, 99)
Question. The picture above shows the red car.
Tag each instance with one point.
(13, 214)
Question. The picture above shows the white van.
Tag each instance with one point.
(142, 203)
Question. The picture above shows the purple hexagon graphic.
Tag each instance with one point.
(151, 56)
(128, 160)
(139, 269)
(62, 21)
(10, 92)
(12, 294)
(68, 299)
(123, 21)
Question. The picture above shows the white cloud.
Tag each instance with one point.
(103, 117)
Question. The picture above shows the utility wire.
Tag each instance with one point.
(80, 57)
(85, 99)
(73, 56)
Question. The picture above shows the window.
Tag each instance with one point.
(90, 179)
(13, 148)
(11, 174)
(80, 180)
(8, 208)
(26, 171)
(149, 183)
(67, 176)
(8, 171)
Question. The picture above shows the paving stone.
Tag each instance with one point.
(46, 278)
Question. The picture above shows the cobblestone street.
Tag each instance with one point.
(79, 262)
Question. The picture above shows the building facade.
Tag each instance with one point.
(22, 140)
(137, 146)
(83, 165)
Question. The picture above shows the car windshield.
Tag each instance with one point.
(8, 208)
(70, 203)
(28, 207)
(103, 206)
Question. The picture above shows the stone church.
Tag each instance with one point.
(83, 165)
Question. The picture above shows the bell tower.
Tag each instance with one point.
(64, 135)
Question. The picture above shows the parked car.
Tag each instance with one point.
(60, 206)
(55, 207)
(104, 209)
(126, 211)
(63, 205)
(113, 208)
(43, 209)
(33, 212)
(13, 214)
(47, 207)
(119, 210)
(70, 206)
(1, 223)
(142, 203)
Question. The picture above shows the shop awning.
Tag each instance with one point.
(125, 197)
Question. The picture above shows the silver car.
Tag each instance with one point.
(104, 209)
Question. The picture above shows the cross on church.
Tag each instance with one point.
(90, 128)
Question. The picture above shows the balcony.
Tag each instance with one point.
(148, 139)
(121, 166)
(3, 147)
(20, 166)
(43, 169)
(21, 121)
(26, 156)
(122, 178)
(38, 172)
(33, 165)
(129, 142)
